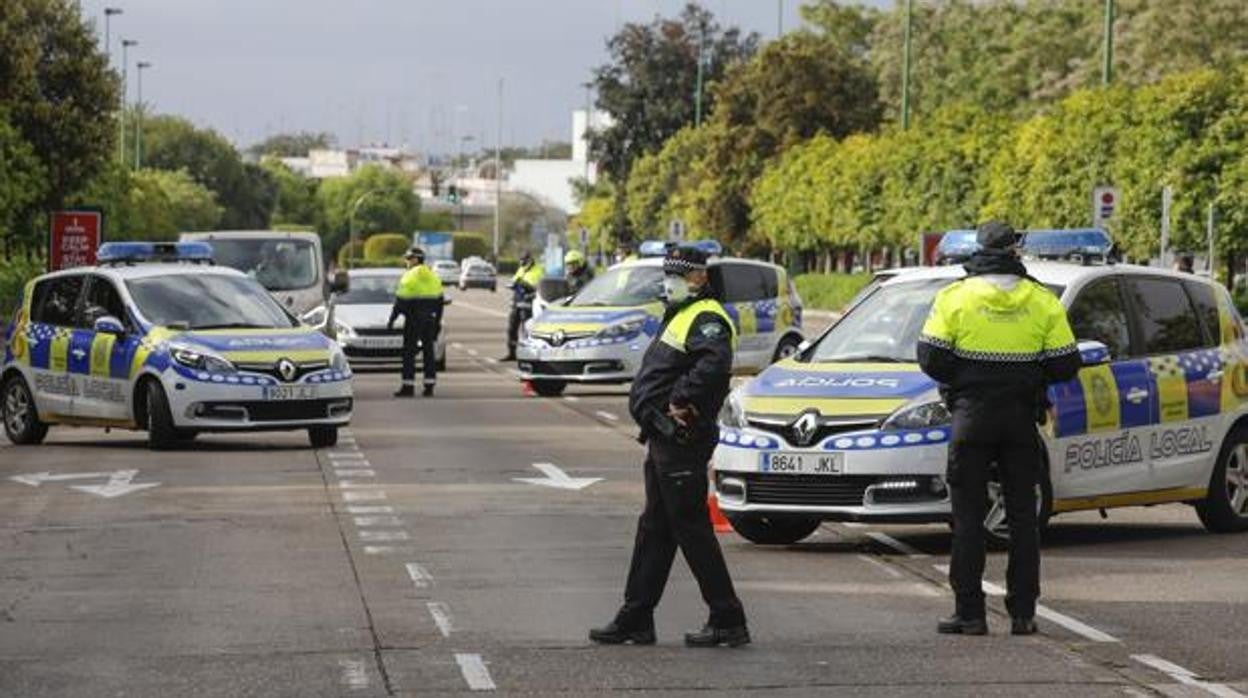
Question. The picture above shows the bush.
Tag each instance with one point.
(470, 245)
(829, 291)
(1240, 296)
(14, 273)
(345, 252)
(379, 263)
(507, 265)
(381, 246)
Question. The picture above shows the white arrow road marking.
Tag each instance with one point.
(557, 479)
(119, 482)
(441, 617)
(420, 576)
(474, 671)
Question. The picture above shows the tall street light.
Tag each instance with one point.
(498, 171)
(351, 225)
(905, 69)
(1107, 70)
(108, 15)
(121, 120)
(138, 125)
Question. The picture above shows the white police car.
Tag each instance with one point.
(156, 337)
(850, 429)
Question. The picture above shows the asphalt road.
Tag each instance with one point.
(410, 560)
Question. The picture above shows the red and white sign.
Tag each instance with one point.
(75, 238)
(1104, 204)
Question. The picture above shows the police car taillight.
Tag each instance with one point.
(137, 252)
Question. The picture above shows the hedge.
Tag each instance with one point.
(470, 245)
(386, 245)
(829, 291)
(344, 253)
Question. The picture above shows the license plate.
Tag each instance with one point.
(803, 463)
(380, 342)
(289, 392)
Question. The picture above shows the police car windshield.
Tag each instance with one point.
(884, 327)
(204, 301)
(370, 290)
(279, 265)
(622, 286)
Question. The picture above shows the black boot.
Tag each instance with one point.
(710, 636)
(613, 634)
(428, 391)
(1023, 626)
(957, 625)
(406, 391)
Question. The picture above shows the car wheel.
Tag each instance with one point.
(787, 348)
(547, 388)
(161, 434)
(772, 530)
(996, 522)
(21, 418)
(323, 436)
(1225, 507)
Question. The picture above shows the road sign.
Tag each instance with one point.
(1104, 205)
(676, 231)
(74, 238)
(584, 239)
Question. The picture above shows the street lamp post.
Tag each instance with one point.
(1107, 70)
(351, 225)
(108, 16)
(498, 172)
(121, 120)
(697, 97)
(138, 125)
(905, 69)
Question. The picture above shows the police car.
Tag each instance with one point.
(850, 429)
(600, 334)
(158, 338)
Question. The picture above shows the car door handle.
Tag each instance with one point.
(1137, 395)
(1214, 376)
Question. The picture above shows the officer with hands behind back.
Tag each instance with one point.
(675, 398)
(994, 341)
(419, 300)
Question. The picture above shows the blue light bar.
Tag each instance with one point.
(658, 248)
(133, 252)
(1061, 244)
(652, 248)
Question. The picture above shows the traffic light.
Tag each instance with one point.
(452, 194)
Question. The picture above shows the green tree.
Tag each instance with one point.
(59, 96)
(292, 145)
(296, 195)
(23, 183)
(165, 203)
(382, 199)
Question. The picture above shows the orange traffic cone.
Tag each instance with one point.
(718, 521)
(526, 388)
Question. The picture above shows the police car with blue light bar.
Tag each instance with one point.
(158, 338)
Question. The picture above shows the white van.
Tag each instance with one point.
(290, 265)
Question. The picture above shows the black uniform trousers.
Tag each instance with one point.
(520, 314)
(420, 330)
(675, 516)
(1004, 434)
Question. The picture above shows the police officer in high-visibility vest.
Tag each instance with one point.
(994, 341)
(523, 289)
(419, 300)
(675, 399)
(577, 271)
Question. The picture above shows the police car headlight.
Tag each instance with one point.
(338, 360)
(925, 412)
(200, 359)
(342, 329)
(732, 414)
(622, 329)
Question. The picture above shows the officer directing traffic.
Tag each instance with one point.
(675, 399)
(994, 341)
(523, 289)
(419, 300)
(577, 270)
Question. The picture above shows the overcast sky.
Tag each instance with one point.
(420, 72)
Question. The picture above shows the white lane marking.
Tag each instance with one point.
(419, 575)
(363, 496)
(556, 478)
(854, 524)
(571, 398)
(366, 521)
(382, 536)
(1074, 625)
(344, 455)
(473, 352)
(119, 482)
(474, 671)
(355, 472)
(457, 345)
(354, 675)
(491, 359)
(488, 311)
(441, 617)
(1186, 677)
(369, 510)
(351, 484)
(378, 549)
(903, 548)
(880, 566)
(607, 416)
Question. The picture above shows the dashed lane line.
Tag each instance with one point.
(383, 536)
(610, 417)
(354, 674)
(475, 672)
(353, 509)
(365, 496)
(354, 472)
(379, 549)
(1186, 677)
(571, 398)
(420, 576)
(377, 521)
(441, 617)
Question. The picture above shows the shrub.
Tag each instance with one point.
(345, 252)
(386, 245)
(14, 273)
(507, 265)
(469, 245)
(829, 291)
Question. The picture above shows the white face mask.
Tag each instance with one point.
(675, 289)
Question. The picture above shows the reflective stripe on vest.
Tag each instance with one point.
(677, 333)
(419, 282)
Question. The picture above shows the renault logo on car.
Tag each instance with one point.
(558, 338)
(805, 427)
(287, 369)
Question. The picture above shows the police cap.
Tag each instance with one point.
(995, 235)
(681, 260)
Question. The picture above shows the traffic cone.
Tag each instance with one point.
(718, 521)
(526, 387)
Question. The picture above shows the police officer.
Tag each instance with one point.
(675, 399)
(419, 300)
(523, 288)
(577, 270)
(994, 341)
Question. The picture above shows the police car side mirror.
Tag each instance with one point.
(341, 283)
(1093, 353)
(107, 324)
